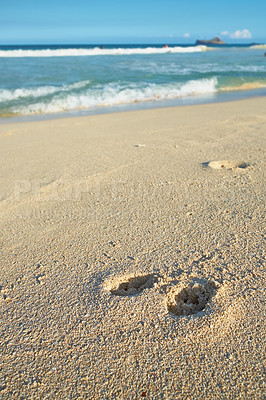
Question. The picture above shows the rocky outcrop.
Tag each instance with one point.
(215, 40)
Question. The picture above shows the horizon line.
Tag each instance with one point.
(122, 43)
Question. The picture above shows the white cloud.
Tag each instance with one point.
(244, 34)
(186, 34)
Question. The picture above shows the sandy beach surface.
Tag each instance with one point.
(132, 255)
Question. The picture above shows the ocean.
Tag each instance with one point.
(48, 81)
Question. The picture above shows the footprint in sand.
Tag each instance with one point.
(133, 285)
(225, 164)
(190, 299)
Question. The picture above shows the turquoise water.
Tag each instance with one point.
(85, 79)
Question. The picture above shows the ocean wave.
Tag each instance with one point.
(244, 86)
(15, 94)
(258, 46)
(99, 52)
(117, 94)
(173, 68)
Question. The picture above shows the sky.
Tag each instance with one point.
(131, 21)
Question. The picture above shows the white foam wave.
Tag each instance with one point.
(258, 46)
(115, 94)
(99, 52)
(173, 68)
(15, 94)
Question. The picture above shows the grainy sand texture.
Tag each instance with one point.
(132, 255)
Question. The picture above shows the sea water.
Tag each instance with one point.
(47, 80)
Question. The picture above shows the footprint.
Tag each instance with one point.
(190, 299)
(129, 286)
(225, 164)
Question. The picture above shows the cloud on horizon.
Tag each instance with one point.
(186, 34)
(244, 34)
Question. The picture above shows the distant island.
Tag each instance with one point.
(215, 40)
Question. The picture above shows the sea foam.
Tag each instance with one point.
(23, 93)
(99, 52)
(117, 94)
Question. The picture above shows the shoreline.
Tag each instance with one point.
(132, 261)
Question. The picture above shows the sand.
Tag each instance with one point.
(132, 255)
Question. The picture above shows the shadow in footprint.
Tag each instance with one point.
(133, 285)
(225, 164)
(190, 299)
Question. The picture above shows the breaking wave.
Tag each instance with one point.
(258, 46)
(16, 94)
(244, 86)
(116, 94)
(99, 52)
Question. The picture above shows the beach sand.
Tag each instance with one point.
(132, 255)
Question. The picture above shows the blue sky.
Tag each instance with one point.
(128, 21)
